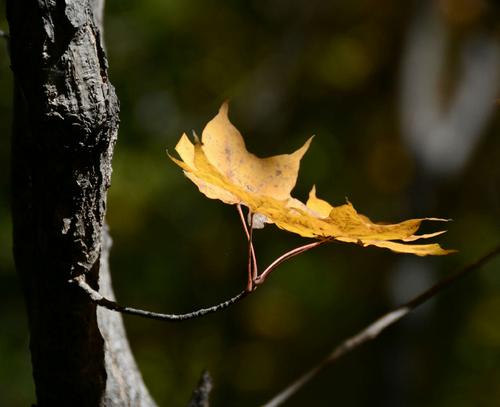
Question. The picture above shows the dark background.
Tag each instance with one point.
(290, 69)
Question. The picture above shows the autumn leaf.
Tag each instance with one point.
(223, 169)
(350, 226)
(225, 149)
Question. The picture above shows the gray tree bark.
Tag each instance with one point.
(64, 130)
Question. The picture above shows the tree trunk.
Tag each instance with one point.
(64, 130)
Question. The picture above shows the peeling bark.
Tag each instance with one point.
(124, 386)
(64, 131)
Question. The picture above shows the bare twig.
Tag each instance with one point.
(444, 135)
(373, 330)
(112, 305)
(253, 282)
(99, 299)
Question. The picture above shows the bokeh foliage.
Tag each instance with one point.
(290, 69)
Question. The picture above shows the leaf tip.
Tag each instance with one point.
(309, 140)
(441, 252)
(302, 150)
(312, 192)
(224, 108)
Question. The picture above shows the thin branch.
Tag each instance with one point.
(373, 330)
(99, 299)
(288, 255)
(112, 305)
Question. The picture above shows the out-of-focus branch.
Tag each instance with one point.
(373, 330)
(201, 394)
(443, 135)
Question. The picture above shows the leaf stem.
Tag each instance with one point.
(252, 258)
(251, 269)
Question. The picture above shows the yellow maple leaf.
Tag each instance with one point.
(356, 228)
(223, 169)
(223, 148)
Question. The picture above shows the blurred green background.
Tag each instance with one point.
(291, 69)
